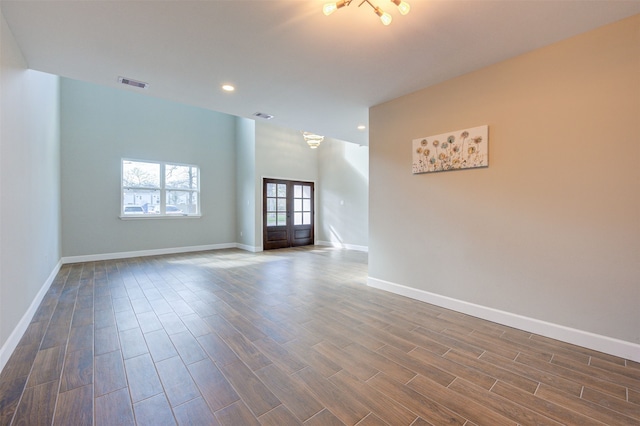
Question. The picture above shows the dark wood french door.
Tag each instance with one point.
(288, 213)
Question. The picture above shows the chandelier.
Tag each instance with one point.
(312, 140)
(403, 7)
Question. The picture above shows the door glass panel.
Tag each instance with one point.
(271, 190)
(282, 219)
(276, 204)
(301, 205)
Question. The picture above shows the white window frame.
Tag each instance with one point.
(163, 189)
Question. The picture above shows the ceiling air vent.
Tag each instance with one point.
(263, 115)
(134, 83)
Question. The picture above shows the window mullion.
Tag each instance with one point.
(190, 186)
(163, 190)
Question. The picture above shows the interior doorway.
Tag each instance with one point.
(288, 213)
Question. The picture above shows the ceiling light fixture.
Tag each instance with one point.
(403, 7)
(228, 88)
(312, 140)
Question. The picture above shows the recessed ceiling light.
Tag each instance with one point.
(362, 127)
(228, 88)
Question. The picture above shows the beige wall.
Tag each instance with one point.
(551, 230)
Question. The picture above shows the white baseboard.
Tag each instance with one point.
(341, 245)
(597, 342)
(14, 338)
(175, 250)
(142, 253)
(252, 249)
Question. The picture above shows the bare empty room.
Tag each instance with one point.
(289, 212)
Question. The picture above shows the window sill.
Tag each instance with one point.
(156, 217)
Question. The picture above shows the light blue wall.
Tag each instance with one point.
(29, 189)
(99, 127)
(246, 182)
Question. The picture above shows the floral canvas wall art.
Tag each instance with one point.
(461, 149)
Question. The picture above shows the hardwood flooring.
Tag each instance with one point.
(288, 337)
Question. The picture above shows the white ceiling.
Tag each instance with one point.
(312, 72)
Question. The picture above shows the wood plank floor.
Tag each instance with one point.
(288, 337)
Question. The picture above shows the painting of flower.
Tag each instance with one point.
(462, 149)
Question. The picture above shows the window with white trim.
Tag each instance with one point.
(155, 189)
